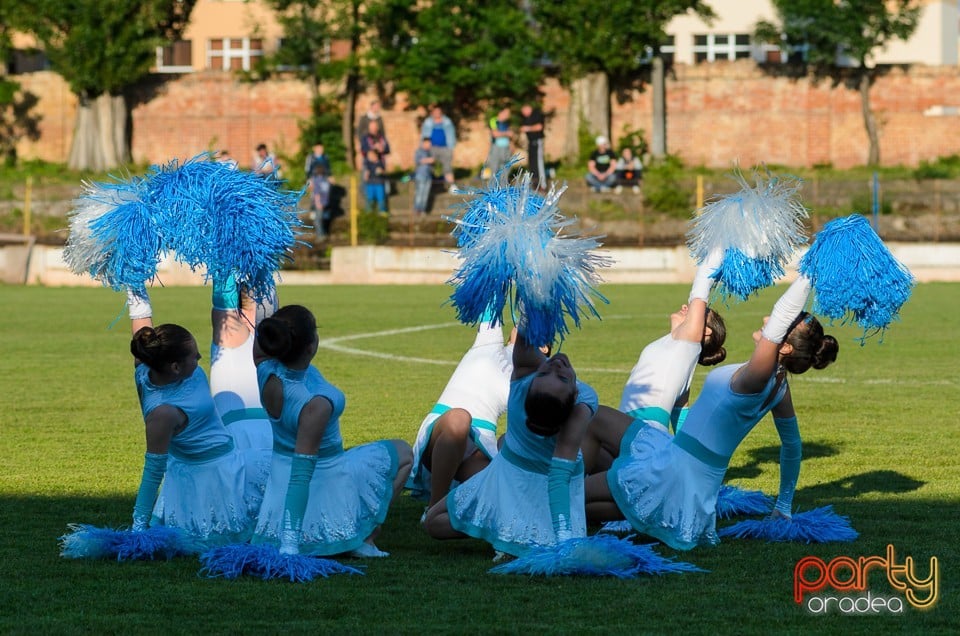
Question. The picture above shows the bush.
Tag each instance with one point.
(664, 189)
(941, 168)
(373, 228)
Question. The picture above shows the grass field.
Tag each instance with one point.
(880, 444)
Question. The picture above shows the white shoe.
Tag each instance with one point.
(636, 189)
(618, 189)
(368, 551)
(423, 517)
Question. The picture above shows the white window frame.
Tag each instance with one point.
(227, 53)
(726, 51)
(162, 68)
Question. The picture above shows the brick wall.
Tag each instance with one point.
(717, 114)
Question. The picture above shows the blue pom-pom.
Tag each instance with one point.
(733, 502)
(266, 562)
(516, 247)
(599, 555)
(854, 276)
(115, 234)
(617, 527)
(90, 542)
(820, 525)
(758, 228)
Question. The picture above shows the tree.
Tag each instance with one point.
(826, 31)
(16, 121)
(102, 47)
(601, 46)
(466, 57)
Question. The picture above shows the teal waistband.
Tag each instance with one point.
(440, 409)
(534, 465)
(323, 453)
(701, 452)
(244, 414)
(205, 455)
(650, 414)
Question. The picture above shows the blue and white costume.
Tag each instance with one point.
(209, 489)
(666, 486)
(507, 503)
(660, 377)
(480, 385)
(349, 491)
(233, 381)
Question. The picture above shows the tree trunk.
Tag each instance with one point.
(658, 141)
(100, 138)
(347, 126)
(869, 120)
(589, 107)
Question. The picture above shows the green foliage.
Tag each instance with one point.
(940, 168)
(586, 141)
(16, 119)
(324, 126)
(863, 204)
(463, 56)
(664, 189)
(373, 228)
(632, 138)
(101, 46)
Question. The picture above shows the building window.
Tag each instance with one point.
(176, 57)
(233, 54)
(721, 46)
(22, 61)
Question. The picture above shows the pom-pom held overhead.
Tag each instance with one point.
(733, 502)
(820, 525)
(267, 562)
(516, 246)
(115, 234)
(599, 555)
(159, 542)
(758, 228)
(854, 276)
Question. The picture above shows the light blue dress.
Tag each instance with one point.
(667, 486)
(507, 503)
(209, 489)
(350, 491)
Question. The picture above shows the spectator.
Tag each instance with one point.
(629, 170)
(443, 137)
(265, 163)
(372, 114)
(500, 136)
(224, 157)
(374, 139)
(602, 167)
(374, 178)
(532, 125)
(319, 186)
(317, 157)
(423, 161)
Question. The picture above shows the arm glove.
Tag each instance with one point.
(786, 310)
(154, 467)
(791, 452)
(295, 504)
(558, 489)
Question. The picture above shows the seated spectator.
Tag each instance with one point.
(319, 186)
(602, 167)
(315, 158)
(375, 182)
(629, 170)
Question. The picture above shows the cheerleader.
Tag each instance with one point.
(458, 438)
(666, 486)
(532, 492)
(206, 489)
(320, 499)
(659, 384)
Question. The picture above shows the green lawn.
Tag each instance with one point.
(880, 444)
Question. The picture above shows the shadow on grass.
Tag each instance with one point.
(771, 455)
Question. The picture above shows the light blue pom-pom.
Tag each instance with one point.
(599, 555)
(820, 525)
(854, 276)
(733, 501)
(517, 247)
(758, 228)
(158, 542)
(266, 562)
(115, 235)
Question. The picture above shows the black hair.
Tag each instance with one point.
(811, 347)
(711, 347)
(287, 333)
(546, 412)
(160, 346)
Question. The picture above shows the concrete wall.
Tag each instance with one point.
(377, 265)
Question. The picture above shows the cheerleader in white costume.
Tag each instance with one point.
(206, 490)
(233, 376)
(320, 499)
(532, 492)
(458, 438)
(659, 384)
(667, 486)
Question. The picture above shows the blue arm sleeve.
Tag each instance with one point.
(295, 504)
(791, 452)
(558, 489)
(154, 467)
(226, 296)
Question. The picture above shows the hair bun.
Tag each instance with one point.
(826, 353)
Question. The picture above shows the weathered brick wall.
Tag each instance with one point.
(717, 114)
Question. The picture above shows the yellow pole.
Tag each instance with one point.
(699, 191)
(354, 210)
(26, 206)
